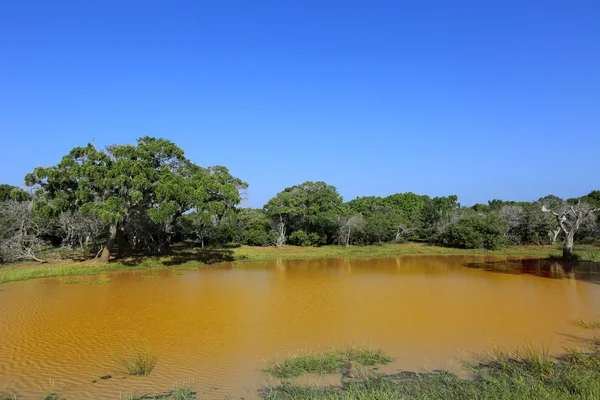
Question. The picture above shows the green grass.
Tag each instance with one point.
(8, 396)
(183, 392)
(100, 281)
(329, 362)
(579, 322)
(52, 396)
(179, 392)
(137, 361)
(526, 373)
(194, 259)
(247, 253)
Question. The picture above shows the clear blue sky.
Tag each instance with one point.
(483, 99)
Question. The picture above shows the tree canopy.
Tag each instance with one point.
(151, 181)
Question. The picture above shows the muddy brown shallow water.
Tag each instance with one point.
(216, 326)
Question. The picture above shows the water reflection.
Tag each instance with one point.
(554, 269)
(218, 324)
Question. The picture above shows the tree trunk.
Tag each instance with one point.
(568, 246)
(112, 235)
(120, 243)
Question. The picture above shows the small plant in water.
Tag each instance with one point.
(127, 396)
(184, 391)
(137, 361)
(150, 275)
(581, 323)
(330, 362)
(100, 281)
(69, 281)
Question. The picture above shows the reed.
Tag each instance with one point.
(137, 361)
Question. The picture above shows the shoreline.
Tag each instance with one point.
(187, 259)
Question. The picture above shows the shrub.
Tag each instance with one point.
(477, 231)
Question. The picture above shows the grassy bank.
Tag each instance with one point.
(191, 258)
(527, 373)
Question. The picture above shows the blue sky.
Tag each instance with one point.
(483, 99)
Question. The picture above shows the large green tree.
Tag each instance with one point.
(151, 179)
(312, 207)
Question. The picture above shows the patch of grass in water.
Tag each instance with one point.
(100, 281)
(4, 396)
(526, 373)
(52, 396)
(137, 361)
(329, 362)
(184, 392)
(70, 281)
(149, 275)
(580, 323)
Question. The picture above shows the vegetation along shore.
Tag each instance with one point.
(149, 200)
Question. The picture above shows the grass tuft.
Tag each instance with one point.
(183, 392)
(526, 373)
(330, 362)
(100, 281)
(580, 323)
(137, 361)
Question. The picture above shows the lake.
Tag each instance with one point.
(216, 326)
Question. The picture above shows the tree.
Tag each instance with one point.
(570, 218)
(436, 216)
(78, 230)
(515, 218)
(347, 226)
(311, 206)
(20, 236)
(151, 179)
(8, 192)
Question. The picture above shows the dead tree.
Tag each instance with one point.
(570, 218)
(348, 225)
(19, 232)
(279, 230)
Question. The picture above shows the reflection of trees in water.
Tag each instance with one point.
(554, 269)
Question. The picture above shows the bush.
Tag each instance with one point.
(477, 231)
(301, 238)
(256, 237)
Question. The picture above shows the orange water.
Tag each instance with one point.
(216, 326)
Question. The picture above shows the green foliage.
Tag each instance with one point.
(325, 363)
(124, 183)
(8, 192)
(312, 207)
(527, 373)
(301, 238)
(137, 361)
(477, 231)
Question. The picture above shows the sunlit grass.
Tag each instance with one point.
(581, 323)
(137, 361)
(525, 373)
(184, 391)
(329, 362)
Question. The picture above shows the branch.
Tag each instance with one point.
(546, 209)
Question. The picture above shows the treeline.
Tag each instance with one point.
(142, 198)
